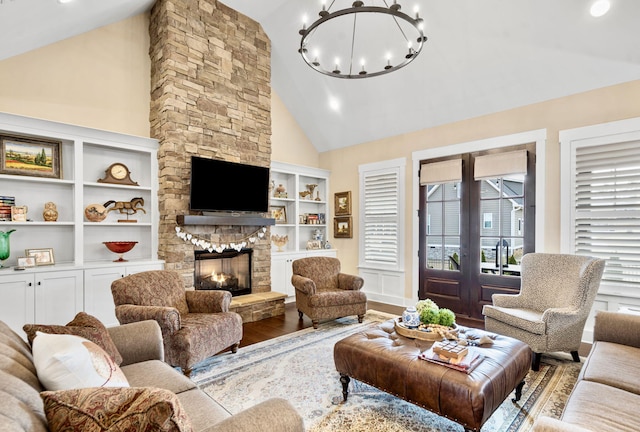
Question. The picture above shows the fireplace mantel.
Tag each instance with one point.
(224, 220)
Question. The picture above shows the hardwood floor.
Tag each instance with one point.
(270, 328)
(289, 322)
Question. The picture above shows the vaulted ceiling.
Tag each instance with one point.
(480, 57)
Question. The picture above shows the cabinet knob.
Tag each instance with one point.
(39, 283)
(29, 284)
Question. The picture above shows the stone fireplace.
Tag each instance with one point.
(229, 270)
(210, 97)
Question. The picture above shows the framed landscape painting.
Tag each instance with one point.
(30, 157)
(342, 203)
(342, 227)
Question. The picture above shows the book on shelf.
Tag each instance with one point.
(466, 363)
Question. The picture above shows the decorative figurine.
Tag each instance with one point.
(128, 208)
(50, 213)
(281, 191)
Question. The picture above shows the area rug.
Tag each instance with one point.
(299, 367)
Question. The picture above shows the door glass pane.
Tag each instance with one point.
(435, 192)
(434, 212)
(490, 188)
(452, 218)
(452, 248)
(435, 253)
(490, 217)
(489, 263)
(513, 186)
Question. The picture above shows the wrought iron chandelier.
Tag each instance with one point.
(375, 40)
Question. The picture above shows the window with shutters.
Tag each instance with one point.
(602, 217)
(382, 213)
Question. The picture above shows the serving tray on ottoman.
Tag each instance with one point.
(391, 362)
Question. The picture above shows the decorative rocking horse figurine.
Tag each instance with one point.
(128, 208)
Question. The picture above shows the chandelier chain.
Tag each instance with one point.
(353, 42)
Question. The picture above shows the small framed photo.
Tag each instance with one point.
(279, 213)
(26, 261)
(314, 244)
(342, 227)
(30, 157)
(342, 203)
(19, 213)
(42, 257)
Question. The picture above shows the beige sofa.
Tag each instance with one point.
(607, 394)
(140, 344)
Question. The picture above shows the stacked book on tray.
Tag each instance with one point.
(452, 355)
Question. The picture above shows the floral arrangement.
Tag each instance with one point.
(430, 313)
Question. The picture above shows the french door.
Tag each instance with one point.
(476, 220)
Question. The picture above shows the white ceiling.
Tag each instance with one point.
(481, 57)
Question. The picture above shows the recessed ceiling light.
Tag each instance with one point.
(334, 104)
(599, 8)
(64, 1)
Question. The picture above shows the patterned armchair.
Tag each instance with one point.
(195, 324)
(556, 295)
(322, 292)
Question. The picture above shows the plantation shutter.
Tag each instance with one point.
(381, 217)
(607, 208)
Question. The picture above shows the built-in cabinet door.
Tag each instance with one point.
(17, 292)
(59, 296)
(98, 300)
(281, 273)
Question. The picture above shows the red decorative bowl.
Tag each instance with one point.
(120, 247)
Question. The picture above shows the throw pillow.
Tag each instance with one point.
(125, 409)
(67, 361)
(83, 325)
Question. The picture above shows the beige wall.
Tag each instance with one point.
(598, 106)
(288, 141)
(99, 79)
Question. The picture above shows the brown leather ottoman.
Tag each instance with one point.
(382, 358)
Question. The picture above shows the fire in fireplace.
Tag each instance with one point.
(229, 270)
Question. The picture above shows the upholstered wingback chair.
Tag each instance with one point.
(195, 324)
(556, 294)
(323, 292)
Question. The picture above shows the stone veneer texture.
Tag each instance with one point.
(211, 97)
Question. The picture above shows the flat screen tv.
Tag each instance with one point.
(223, 186)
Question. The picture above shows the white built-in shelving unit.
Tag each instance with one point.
(53, 294)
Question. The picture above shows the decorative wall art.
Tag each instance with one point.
(342, 227)
(43, 257)
(279, 213)
(30, 157)
(342, 203)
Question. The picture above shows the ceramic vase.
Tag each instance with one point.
(411, 317)
(5, 251)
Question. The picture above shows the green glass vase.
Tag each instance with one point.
(5, 251)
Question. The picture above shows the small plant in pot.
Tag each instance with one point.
(431, 314)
